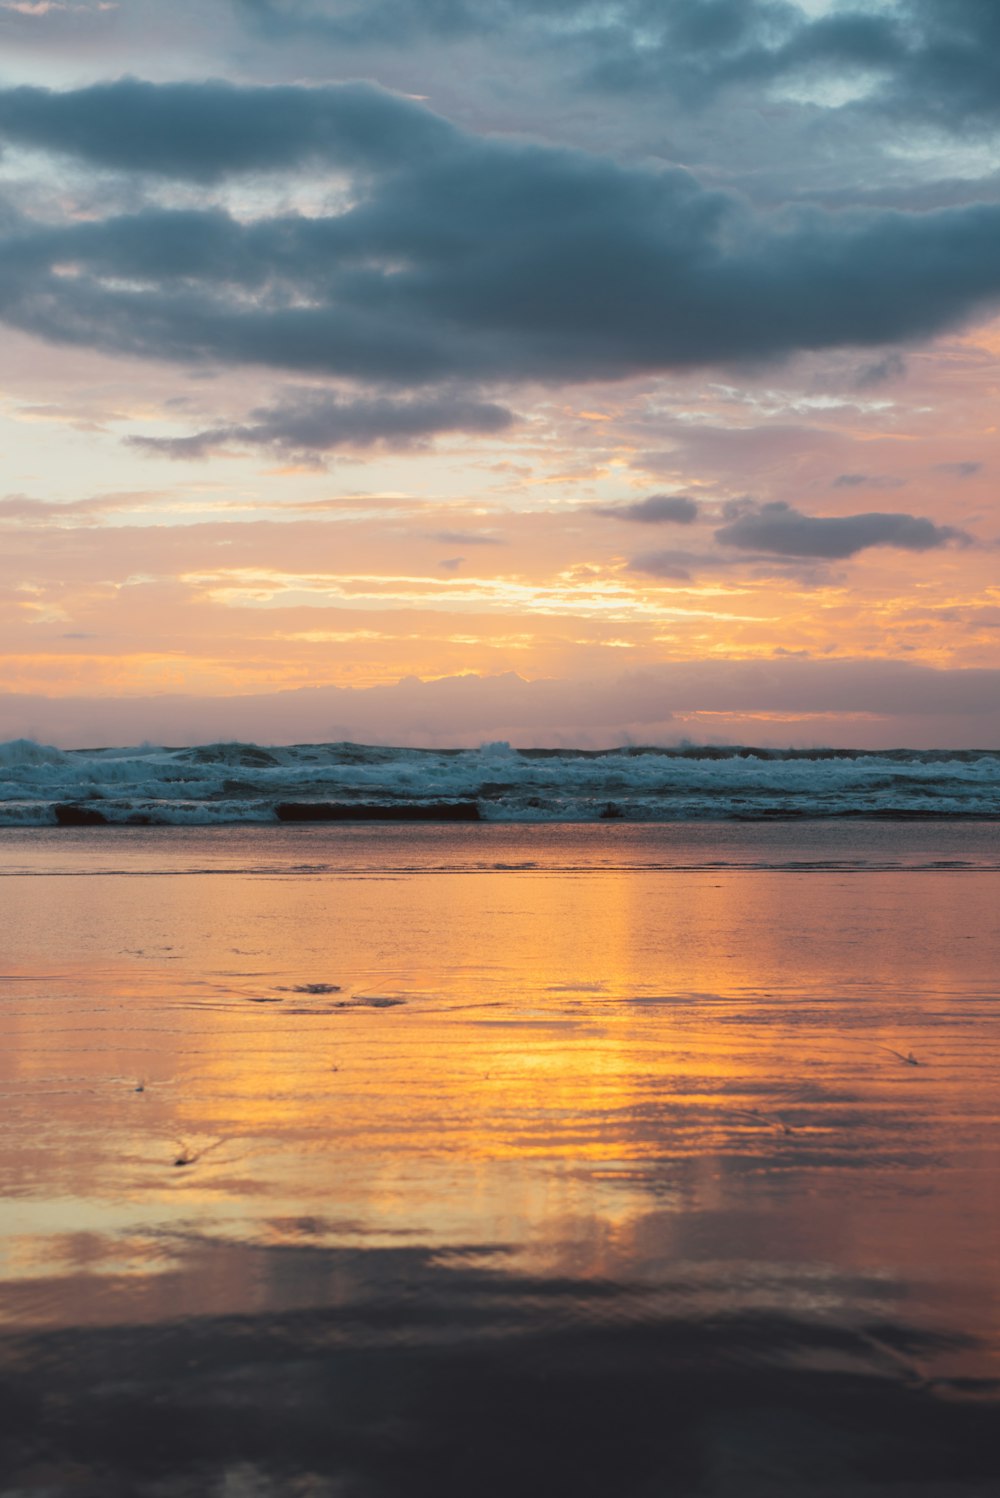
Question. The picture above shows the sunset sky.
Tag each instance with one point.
(435, 371)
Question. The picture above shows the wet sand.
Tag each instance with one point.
(471, 1160)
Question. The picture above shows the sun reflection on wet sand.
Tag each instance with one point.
(437, 1107)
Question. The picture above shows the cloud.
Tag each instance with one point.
(478, 258)
(464, 538)
(312, 421)
(919, 59)
(395, 22)
(779, 529)
(51, 21)
(946, 68)
(677, 565)
(867, 480)
(24, 508)
(695, 48)
(964, 470)
(891, 367)
(202, 132)
(676, 509)
(672, 565)
(936, 706)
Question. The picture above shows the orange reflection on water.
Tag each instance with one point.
(604, 1072)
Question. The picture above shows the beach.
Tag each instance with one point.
(600, 1158)
(499, 749)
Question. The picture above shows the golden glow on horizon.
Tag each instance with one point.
(479, 561)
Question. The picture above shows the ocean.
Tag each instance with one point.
(597, 1157)
(228, 783)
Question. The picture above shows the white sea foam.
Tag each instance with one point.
(227, 783)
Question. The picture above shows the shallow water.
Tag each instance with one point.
(593, 1160)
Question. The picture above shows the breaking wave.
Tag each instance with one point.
(234, 782)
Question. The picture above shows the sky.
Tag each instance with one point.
(443, 371)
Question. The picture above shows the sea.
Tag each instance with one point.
(233, 782)
(575, 1125)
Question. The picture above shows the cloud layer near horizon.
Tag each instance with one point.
(664, 704)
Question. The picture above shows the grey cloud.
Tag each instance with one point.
(779, 529)
(965, 470)
(184, 449)
(672, 565)
(673, 34)
(867, 481)
(486, 259)
(947, 69)
(464, 538)
(694, 48)
(397, 23)
(205, 131)
(734, 509)
(891, 367)
(311, 421)
(658, 509)
(924, 60)
(934, 60)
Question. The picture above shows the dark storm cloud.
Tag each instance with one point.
(694, 48)
(675, 509)
(779, 529)
(935, 60)
(949, 65)
(482, 258)
(312, 421)
(924, 59)
(205, 131)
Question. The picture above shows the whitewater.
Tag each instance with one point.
(228, 783)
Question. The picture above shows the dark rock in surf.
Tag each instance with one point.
(67, 815)
(363, 811)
